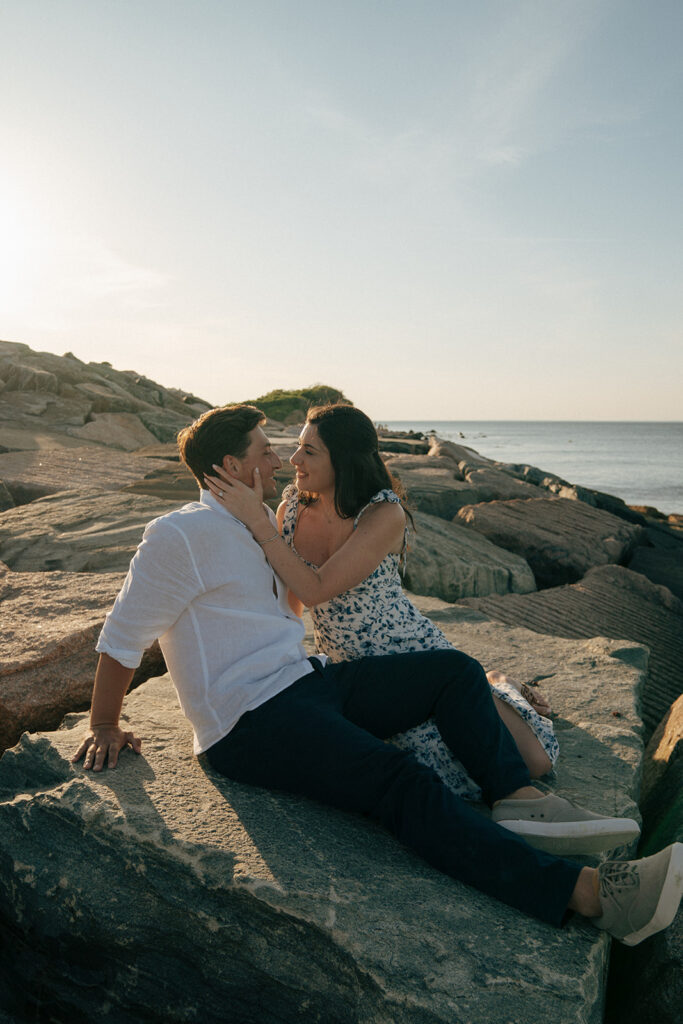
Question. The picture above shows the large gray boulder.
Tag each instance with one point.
(560, 539)
(575, 492)
(49, 627)
(162, 892)
(470, 462)
(432, 484)
(609, 601)
(449, 561)
(97, 532)
(495, 485)
(440, 484)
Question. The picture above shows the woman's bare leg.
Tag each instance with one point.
(531, 749)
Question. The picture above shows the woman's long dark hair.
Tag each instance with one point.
(359, 472)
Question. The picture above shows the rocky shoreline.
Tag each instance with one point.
(519, 567)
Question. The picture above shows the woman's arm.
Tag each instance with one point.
(295, 604)
(379, 531)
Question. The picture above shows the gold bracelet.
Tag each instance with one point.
(268, 539)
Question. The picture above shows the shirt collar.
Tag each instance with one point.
(207, 498)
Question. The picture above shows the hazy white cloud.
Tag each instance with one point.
(52, 280)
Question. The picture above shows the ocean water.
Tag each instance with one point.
(639, 462)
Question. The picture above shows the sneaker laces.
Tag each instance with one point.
(615, 876)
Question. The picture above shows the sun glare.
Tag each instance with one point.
(21, 240)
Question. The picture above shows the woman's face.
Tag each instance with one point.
(312, 462)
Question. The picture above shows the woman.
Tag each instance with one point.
(342, 536)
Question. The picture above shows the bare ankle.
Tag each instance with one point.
(585, 898)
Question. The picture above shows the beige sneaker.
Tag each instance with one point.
(640, 897)
(553, 824)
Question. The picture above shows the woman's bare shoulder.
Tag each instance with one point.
(384, 513)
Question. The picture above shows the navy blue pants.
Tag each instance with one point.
(323, 737)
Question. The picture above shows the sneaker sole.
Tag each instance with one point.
(669, 899)
(575, 836)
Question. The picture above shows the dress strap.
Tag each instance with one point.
(387, 495)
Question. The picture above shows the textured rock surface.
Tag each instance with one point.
(660, 557)
(560, 539)
(441, 486)
(46, 398)
(648, 980)
(278, 908)
(563, 489)
(432, 484)
(33, 474)
(495, 485)
(405, 442)
(116, 430)
(77, 532)
(609, 601)
(449, 561)
(48, 630)
(462, 456)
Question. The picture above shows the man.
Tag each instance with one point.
(265, 714)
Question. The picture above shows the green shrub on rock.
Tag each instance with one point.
(292, 405)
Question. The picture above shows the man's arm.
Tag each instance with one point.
(161, 582)
(106, 739)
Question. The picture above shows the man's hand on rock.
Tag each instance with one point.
(104, 743)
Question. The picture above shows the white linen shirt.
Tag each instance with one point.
(201, 584)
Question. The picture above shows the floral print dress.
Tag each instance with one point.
(375, 617)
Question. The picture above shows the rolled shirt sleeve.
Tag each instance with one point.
(162, 581)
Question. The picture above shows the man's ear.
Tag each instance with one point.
(231, 465)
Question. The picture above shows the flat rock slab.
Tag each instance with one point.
(48, 630)
(560, 539)
(162, 892)
(433, 484)
(449, 561)
(78, 532)
(609, 601)
(32, 474)
(37, 437)
(116, 430)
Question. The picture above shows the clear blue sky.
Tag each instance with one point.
(450, 210)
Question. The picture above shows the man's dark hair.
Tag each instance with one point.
(217, 433)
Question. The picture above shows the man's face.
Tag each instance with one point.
(259, 455)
